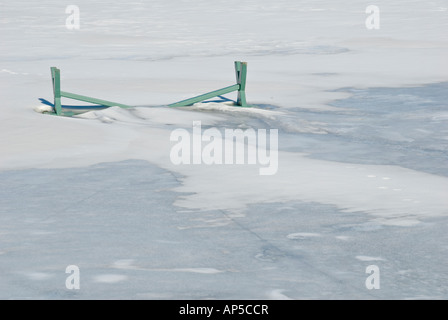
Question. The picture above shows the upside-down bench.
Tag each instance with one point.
(240, 87)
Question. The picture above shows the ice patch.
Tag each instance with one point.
(197, 270)
(277, 294)
(344, 238)
(404, 272)
(39, 276)
(367, 258)
(301, 235)
(400, 222)
(155, 296)
(276, 119)
(442, 116)
(110, 278)
(425, 297)
(229, 107)
(12, 72)
(41, 233)
(127, 264)
(320, 181)
(124, 264)
(8, 71)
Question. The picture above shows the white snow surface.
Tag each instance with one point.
(362, 163)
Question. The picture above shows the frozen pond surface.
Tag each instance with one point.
(130, 242)
(362, 176)
(393, 126)
(118, 223)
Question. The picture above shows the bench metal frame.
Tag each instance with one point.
(240, 87)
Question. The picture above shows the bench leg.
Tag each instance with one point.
(241, 74)
(56, 78)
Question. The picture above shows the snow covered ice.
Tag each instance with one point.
(362, 120)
